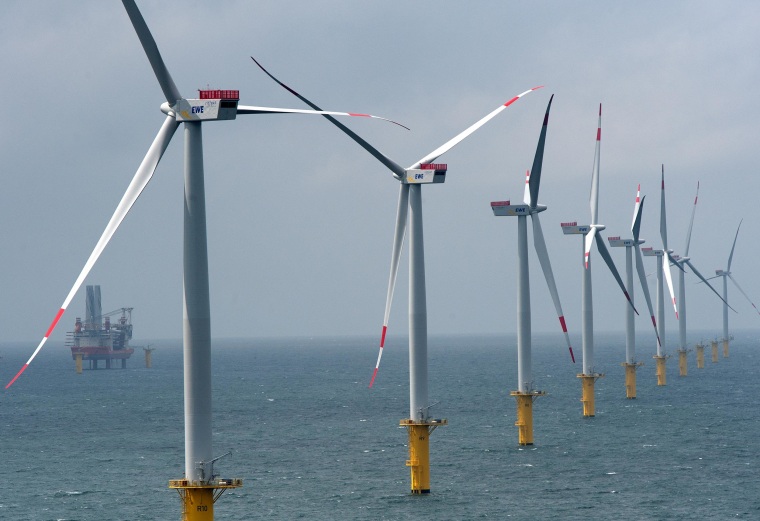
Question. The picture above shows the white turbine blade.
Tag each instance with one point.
(398, 170)
(526, 195)
(135, 188)
(538, 159)
(588, 240)
(637, 209)
(731, 256)
(645, 289)
(691, 223)
(698, 274)
(398, 243)
(594, 198)
(669, 280)
(432, 156)
(611, 265)
(151, 50)
(663, 223)
(742, 292)
(247, 109)
(543, 258)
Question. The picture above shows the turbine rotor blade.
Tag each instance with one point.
(432, 156)
(669, 280)
(398, 170)
(645, 289)
(637, 209)
(246, 109)
(538, 159)
(588, 240)
(742, 292)
(663, 223)
(139, 182)
(171, 93)
(691, 223)
(611, 265)
(526, 195)
(398, 243)
(698, 274)
(594, 198)
(731, 256)
(543, 258)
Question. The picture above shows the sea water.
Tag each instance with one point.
(311, 441)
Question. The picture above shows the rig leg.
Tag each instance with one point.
(700, 356)
(524, 421)
(714, 346)
(419, 452)
(587, 398)
(725, 348)
(683, 368)
(79, 362)
(661, 373)
(630, 379)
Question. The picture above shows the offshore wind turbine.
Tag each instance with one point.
(631, 245)
(420, 424)
(526, 393)
(200, 486)
(681, 262)
(589, 376)
(726, 274)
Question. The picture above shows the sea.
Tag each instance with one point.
(311, 441)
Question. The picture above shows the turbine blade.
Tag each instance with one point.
(526, 195)
(691, 223)
(611, 265)
(698, 274)
(742, 292)
(543, 258)
(171, 93)
(731, 256)
(637, 209)
(246, 109)
(594, 199)
(588, 240)
(142, 177)
(663, 223)
(398, 243)
(645, 289)
(538, 159)
(432, 156)
(398, 170)
(669, 280)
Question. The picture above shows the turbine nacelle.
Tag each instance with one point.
(572, 228)
(426, 174)
(617, 241)
(211, 105)
(504, 208)
(651, 252)
(721, 273)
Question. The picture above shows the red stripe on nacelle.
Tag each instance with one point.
(23, 368)
(55, 322)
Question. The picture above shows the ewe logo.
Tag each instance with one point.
(196, 109)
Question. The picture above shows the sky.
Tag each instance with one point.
(300, 218)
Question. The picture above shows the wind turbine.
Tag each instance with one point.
(726, 274)
(589, 376)
(419, 424)
(526, 393)
(631, 245)
(680, 262)
(200, 486)
(663, 268)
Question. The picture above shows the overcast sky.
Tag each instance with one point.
(300, 219)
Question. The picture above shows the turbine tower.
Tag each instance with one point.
(681, 262)
(589, 376)
(526, 393)
(420, 424)
(726, 274)
(631, 245)
(200, 486)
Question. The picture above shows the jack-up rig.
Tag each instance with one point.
(97, 338)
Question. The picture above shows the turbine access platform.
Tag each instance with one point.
(97, 338)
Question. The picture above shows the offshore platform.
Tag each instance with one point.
(97, 338)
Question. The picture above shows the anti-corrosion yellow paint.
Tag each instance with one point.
(524, 421)
(419, 452)
(198, 499)
(587, 396)
(630, 379)
(683, 368)
(700, 356)
(725, 348)
(78, 358)
(714, 345)
(661, 374)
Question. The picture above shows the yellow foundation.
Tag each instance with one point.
(587, 396)
(524, 421)
(78, 358)
(419, 452)
(148, 358)
(198, 500)
(630, 379)
(683, 368)
(714, 346)
(700, 356)
(661, 374)
(725, 348)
